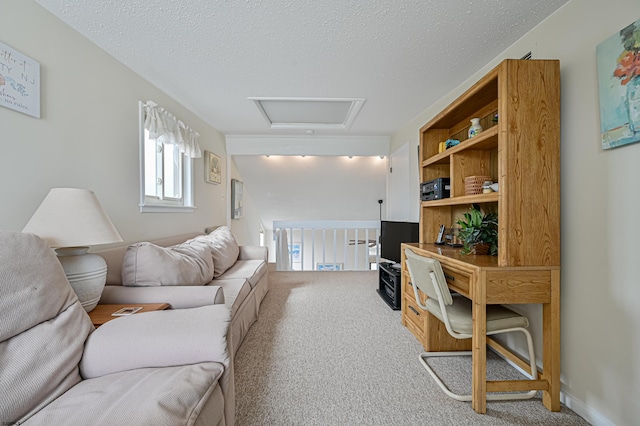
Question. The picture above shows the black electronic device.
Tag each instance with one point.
(392, 234)
(389, 285)
(435, 189)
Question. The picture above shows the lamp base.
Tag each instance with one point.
(86, 272)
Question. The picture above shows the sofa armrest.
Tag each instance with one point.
(253, 252)
(158, 339)
(179, 297)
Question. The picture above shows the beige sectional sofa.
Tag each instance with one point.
(241, 278)
(55, 368)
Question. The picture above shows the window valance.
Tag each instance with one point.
(164, 127)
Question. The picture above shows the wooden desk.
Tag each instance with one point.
(480, 279)
(102, 313)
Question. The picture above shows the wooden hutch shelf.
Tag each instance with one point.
(463, 200)
(520, 151)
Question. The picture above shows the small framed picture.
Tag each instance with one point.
(329, 266)
(212, 168)
(236, 199)
(129, 310)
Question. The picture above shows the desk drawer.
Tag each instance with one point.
(415, 315)
(408, 291)
(457, 280)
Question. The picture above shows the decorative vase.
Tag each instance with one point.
(633, 103)
(475, 128)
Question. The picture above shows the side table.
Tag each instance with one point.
(102, 313)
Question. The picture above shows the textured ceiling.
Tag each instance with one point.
(400, 55)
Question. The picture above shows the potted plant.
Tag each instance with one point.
(479, 232)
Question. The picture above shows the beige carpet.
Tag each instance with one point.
(326, 350)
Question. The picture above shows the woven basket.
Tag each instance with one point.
(481, 248)
(473, 184)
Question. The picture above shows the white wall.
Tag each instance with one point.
(88, 134)
(600, 200)
(246, 230)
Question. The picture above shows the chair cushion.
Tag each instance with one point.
(146, 264)
(149, 396)
(460, 316)
(43, 327)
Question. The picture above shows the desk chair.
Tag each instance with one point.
(456, 314)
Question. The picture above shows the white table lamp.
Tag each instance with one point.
(70, 220)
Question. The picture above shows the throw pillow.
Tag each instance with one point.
(146, 264)
(224, 249)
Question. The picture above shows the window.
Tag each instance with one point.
(166, 172)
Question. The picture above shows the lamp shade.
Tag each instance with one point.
(72, 217)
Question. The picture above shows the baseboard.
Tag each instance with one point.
(578, 406)
(591, 415)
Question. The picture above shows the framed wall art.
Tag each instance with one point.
(19, 82)
(212, 168)
(618, 62)
(236, 199)
(329, 266)
(294, 252)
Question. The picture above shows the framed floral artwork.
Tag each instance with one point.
(618, 62)
(212, 168)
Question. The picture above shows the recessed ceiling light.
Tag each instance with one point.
(309, 113)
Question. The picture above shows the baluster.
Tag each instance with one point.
(290, 246)
(367, 249)
(313, 248)
(335, 242)
(356, 252)
(302, 249)
(345, 251)
(323, 245)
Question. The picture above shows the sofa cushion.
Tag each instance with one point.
(251, 270)
(150, 396)
(42, 330)
(235, 292)
(147, 264)
(224, 249)
(114, 255)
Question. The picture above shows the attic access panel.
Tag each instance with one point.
(309, 113)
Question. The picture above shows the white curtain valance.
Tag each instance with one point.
(165, 128)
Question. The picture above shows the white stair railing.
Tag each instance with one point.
(327, 245)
